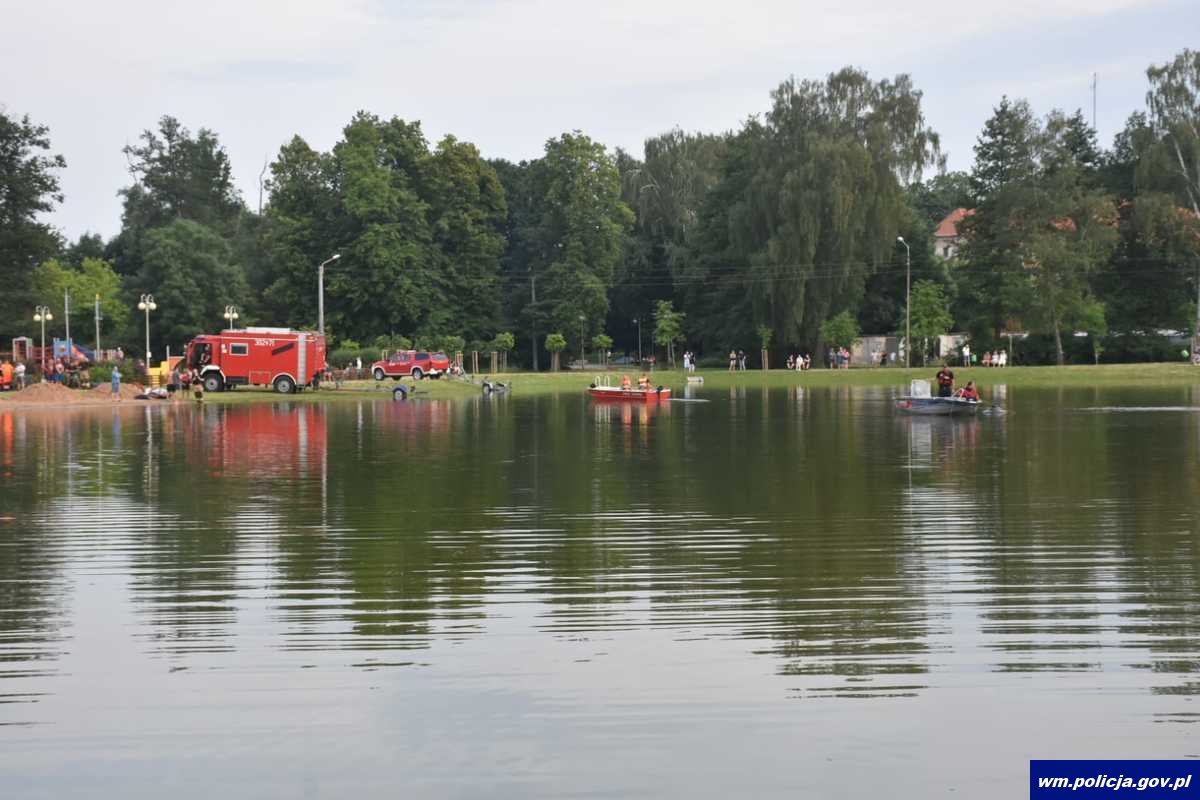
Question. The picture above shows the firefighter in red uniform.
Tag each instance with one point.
(945, 382)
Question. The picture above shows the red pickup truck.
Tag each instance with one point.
(416, 363)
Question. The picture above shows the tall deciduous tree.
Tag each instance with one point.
(90, 279)
(1043, 228)
(570, 232)
(930, 314)
(420, 234)
(468, 213)
(191, 271)
(808, 206)
(668, 328)
(177, 175)
(1174, 103)
(840, 330)
(28, 188)
(1173, 162)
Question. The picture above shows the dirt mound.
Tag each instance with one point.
(45, 393)
(128, 390)
(56, 394)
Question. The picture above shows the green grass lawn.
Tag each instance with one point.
(526, 383)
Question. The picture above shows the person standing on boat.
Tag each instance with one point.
(945, 382)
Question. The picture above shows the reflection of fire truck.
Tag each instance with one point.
(285, 359)
(265, 441)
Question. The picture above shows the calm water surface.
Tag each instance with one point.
(783, 593)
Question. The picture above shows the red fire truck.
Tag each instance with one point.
(285, 359)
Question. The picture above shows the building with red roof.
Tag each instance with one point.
(947, 238)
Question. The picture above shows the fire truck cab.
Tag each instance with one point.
(282, 358)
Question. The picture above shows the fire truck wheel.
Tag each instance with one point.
(417, 373)
(379, 374)
(213, 382)
(285, 385)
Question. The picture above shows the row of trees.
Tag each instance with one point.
(761, 235)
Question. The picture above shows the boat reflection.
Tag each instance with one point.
(626, 414)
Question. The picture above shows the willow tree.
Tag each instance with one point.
(808, 207)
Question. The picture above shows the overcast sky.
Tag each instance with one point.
(509, 74)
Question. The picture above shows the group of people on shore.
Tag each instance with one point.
(16, 375)
(689, 361)
(183, 378)
(799, 363)
(996, 359)
(838, 358)
(12, 376)
(737, 360)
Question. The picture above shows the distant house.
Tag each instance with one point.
(868, 350)
(947, 239)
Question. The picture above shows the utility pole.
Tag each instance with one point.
(907, 301)
(67, 319)
(97, 315)
(582, 322)
(533, 317)
(1095, 81)
(638, 322)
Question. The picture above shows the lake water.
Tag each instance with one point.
(780, 593)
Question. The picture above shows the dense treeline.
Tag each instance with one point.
(780, 232)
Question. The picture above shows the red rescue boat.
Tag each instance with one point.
(615, 393)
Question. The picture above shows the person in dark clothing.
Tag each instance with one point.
(945, 382)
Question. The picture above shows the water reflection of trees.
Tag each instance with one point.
(814, 525)
(49, 468)
(1087, 556)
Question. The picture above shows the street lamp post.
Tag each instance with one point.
(42, 314)
(231, 313)
(321, 291)
(638, 322)
(147, 304)
(907, 299)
